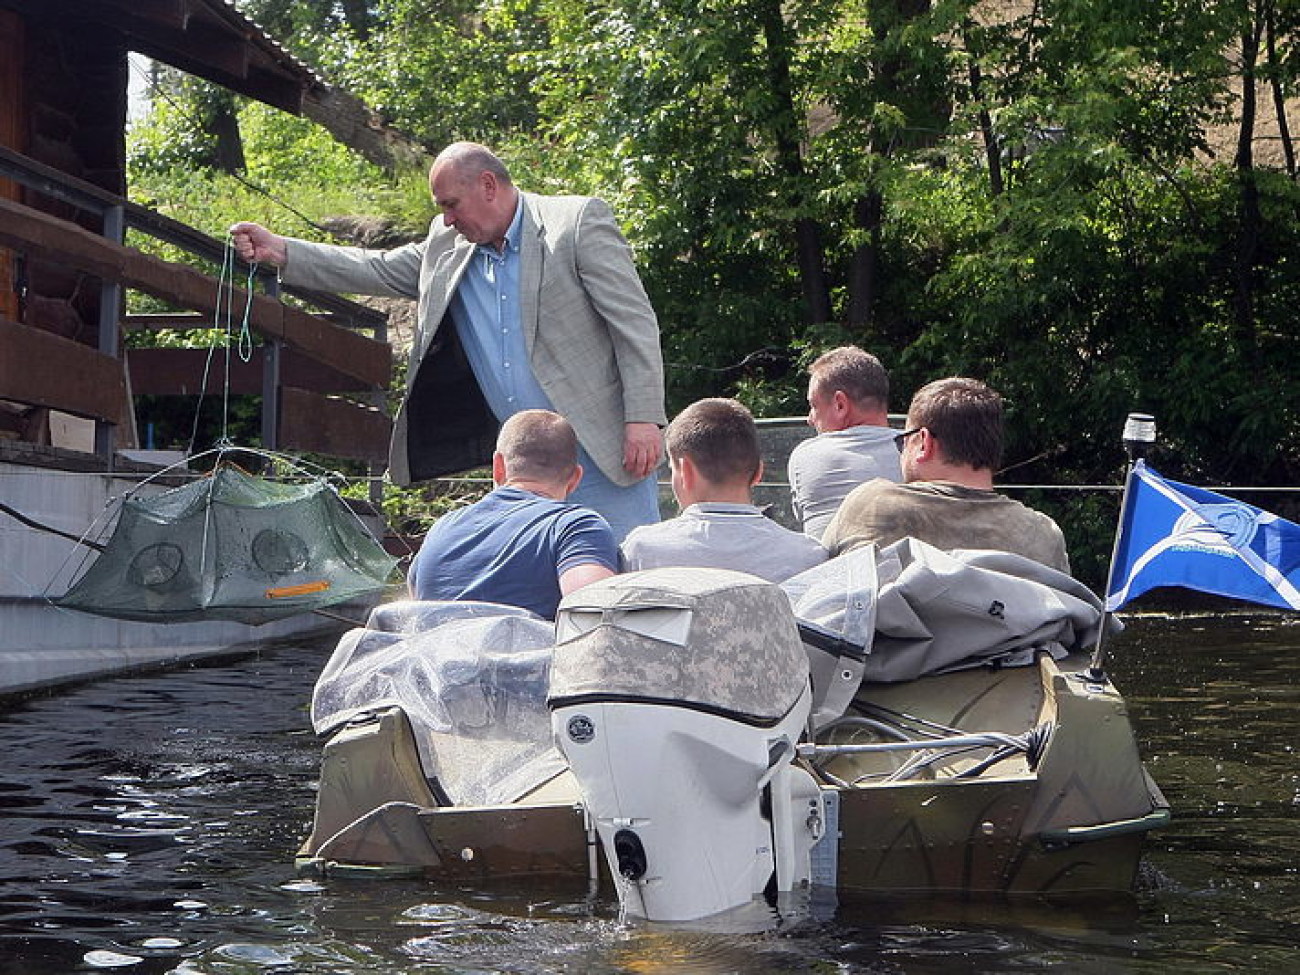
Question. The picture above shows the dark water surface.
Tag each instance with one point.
(148, 824)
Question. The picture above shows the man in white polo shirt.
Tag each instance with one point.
(848, 406)
(713, 451)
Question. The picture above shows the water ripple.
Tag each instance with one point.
(150, 825)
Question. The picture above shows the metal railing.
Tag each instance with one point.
(118, 215)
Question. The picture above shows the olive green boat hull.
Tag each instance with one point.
(1072, 824)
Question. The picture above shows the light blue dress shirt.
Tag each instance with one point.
(485, 310)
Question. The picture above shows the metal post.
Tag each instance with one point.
(271, 362)
(1139, 436)
(110, 310)
(379, 398)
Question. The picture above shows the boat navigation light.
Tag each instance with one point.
(1139, 434)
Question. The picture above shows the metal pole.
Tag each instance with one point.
(110, 314)
(379, 397)
(1139, 436)
(271, 368)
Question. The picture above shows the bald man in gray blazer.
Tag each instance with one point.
(577, 315)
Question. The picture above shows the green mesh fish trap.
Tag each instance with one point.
(231, 546)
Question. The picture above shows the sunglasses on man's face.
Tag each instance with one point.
(901, 438)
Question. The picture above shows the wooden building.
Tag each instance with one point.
(65, 273)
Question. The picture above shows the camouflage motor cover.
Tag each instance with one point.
(711, 638)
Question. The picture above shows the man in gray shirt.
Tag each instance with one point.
(848, 406)
(950, 448)
(713, 452)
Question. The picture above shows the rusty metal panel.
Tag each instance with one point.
(486, 843)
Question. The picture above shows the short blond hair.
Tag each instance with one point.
(538, 445)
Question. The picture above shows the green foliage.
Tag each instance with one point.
(282, 148)
(1092, 260)
(184, 422)
(410, 511)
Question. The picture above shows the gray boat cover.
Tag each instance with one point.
(935, 611)
(472, 679)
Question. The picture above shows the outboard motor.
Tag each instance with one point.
(677, 697)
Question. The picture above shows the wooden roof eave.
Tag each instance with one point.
(206, 38)
(224, 58)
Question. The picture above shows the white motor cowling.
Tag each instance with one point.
(677, 697)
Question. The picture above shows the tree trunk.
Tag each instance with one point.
(1245, 254)
(224, 124)
(357, 14)
(862, 270)
(1279, 96)
(992, 151)
(810, 253)
(359, 127)
(900, 81)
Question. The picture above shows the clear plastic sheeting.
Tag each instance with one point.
(471, 678)
(231, 546)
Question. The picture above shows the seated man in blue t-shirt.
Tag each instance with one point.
(523, 544)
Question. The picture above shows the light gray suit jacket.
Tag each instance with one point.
(592, 336)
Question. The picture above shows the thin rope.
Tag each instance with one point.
(223, 326)
(245, 326)
(226, 286)
(207, 363)
(84, 546)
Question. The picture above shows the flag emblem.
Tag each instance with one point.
(1222, 528)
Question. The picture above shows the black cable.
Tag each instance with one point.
(33, 523)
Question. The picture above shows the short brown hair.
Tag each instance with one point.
(965, 416)
(719, 436)
(858, 374)
(538, 445)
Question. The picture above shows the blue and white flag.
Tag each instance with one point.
(1173, 534)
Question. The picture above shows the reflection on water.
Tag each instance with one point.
(149, 825)
(1217, 706)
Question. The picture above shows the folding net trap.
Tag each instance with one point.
(231, 546)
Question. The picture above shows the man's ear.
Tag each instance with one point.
(574, 480)
(687, 472)
(758, 473)
(840, 403)
(498, 469)
(927, 448)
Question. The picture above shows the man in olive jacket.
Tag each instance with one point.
(524, 302)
